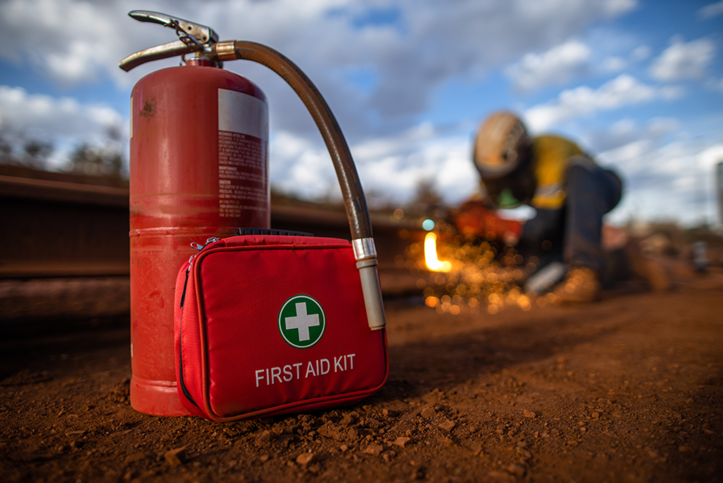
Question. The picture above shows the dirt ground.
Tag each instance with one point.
(627, 389)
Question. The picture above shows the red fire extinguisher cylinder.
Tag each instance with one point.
(198, 169)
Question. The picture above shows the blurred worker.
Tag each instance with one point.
(567, 189)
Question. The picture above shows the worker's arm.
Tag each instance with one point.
(474, 218)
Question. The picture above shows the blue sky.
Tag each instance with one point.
(639, 84)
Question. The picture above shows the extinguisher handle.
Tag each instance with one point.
(354, 200)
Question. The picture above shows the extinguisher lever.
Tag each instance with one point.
(200, 33)
(193, 37)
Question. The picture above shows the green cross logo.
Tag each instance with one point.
(302, 321)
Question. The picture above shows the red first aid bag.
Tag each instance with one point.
(268, 325)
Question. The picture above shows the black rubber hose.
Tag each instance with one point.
(354, 200)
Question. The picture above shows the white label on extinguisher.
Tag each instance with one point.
(242, 155)
(243, 114)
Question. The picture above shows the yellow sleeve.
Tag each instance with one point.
(550, 156)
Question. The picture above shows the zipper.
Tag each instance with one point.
(185, 284)
(198, 247)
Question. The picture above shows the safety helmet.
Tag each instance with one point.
(500, 144)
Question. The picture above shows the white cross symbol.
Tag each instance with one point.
(302, 321)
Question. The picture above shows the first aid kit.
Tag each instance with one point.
(271, 324)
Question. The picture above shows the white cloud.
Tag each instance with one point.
(626, 132)
(444, 159)
(711, 10)
(664, 181)
(74, 42)
(42, 115)
(69, 41)
(556, 66)
(583, 101)
(683, 60)
(710, 157)
(392, 165)
(618, 64)
(715, 84)
(614, 64)
(62, 121)
(640, 53)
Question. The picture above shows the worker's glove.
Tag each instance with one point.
(474, 218)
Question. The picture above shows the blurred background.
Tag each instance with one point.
(638, 84)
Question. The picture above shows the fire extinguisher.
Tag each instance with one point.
(198, 170)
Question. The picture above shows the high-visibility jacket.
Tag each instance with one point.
(550, 157)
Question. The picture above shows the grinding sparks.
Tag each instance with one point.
(478, 276)
(430, 255)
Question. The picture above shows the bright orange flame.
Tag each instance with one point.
(430, 255)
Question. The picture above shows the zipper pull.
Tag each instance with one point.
(200, 247)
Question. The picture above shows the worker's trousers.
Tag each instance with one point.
(573, 233)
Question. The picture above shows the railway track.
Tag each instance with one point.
(66, 251)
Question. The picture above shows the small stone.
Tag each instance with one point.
(343, 448)
(352, 434)
(264, 458)
(374, 449)
(447, 425)
(572, 442)
(372, 423)
(130, 459)
(333, 431)
(595, 415)
(529, 414)
(402, 441)
(517, 470)
(175, 457)
(476, 448)
(385, 412)
(349, 418)
(523, 452)
(263, 439)
(304, 458)
(428, 412)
